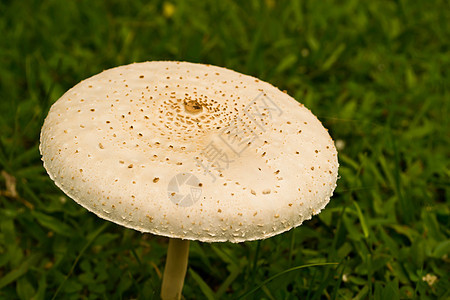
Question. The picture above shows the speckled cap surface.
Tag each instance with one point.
(189, 151)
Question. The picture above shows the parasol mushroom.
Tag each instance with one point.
(190, 152)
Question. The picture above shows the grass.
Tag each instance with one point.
(375, 72)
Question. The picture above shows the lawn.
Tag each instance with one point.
(376, 73)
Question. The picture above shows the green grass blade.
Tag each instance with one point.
(90, 240)
(282, 273)
(362, 220)
(207, 292)
(20, 270)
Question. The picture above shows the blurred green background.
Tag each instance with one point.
(376, 73)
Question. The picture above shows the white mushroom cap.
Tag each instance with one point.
(189, 151)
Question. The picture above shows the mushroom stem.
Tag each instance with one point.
(175, 270)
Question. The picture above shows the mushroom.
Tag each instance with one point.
(190, 152)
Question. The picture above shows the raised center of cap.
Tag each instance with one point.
(193, 106)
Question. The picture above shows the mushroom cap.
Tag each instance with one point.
(189, 151)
